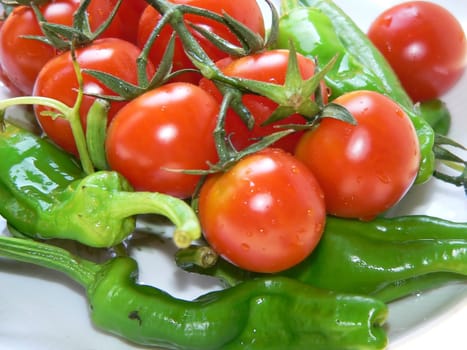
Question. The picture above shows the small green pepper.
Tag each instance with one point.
(321, 30)
(386, 258)
(266, 313)
(45, 194)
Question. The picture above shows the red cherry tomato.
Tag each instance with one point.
(58, 80)
(245, 11)
(425, 45)
(22, 58)
(265, 214)
(363, 169)
(161, 132)
(268, 66)
(130, 12)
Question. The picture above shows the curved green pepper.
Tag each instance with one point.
(321, 30)
(386, 258)
(44, 194)
(267, 313)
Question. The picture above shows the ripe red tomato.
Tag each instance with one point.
(22, 58)
(265, 214)
(58, 80)
(245, 11)
(363, 169)
(425, 45)
(166, 129)
(130, 11)
(268, 66)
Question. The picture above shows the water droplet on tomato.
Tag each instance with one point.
(319, 227)
(245, 246)
(299, 239)
(387, 21)
(385, 179)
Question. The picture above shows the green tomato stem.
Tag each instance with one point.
(71, 114)
(75, 121)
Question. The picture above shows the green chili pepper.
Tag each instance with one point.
(379, 257)
(44, 194)
(269, 313)
(321, 30)
(386, 258)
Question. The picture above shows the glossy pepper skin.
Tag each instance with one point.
(264, 313)
(45, 194)
(386, 258)
(321, 30)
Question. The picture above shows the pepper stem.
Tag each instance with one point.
(82, 271)
(202, 256)
(187, 227)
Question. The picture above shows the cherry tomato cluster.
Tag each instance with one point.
(267, 210)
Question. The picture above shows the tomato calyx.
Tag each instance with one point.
(453, 161)
(62, 37)
(296, 95)
(173, 15)
(126, 91)
(228, 155)
(250, 41)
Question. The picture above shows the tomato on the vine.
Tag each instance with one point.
(269, 66)
(22, 58)
(57, 80)
(425, 45)
(265, 214)
(247, 12)
(160, 133)
(363, 169)
(130, 12)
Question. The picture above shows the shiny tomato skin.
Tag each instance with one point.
(130, 12)
(265, 214)
(367, 168)
(425, 45)
(245, 11)
(57, 79)
(168, 128)
(22, 58)
(269, 66)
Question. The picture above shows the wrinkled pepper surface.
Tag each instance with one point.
(264, 313)
(386, 258)
(321, 30)
(44, 194)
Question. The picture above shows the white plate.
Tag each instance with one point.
(43, 310)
